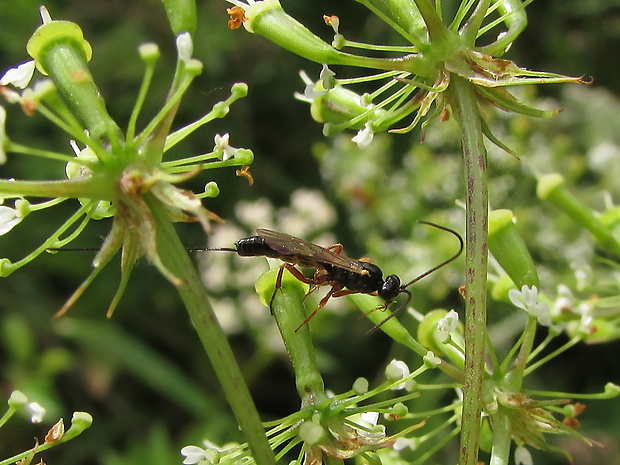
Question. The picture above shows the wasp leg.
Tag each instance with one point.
(336, 288)
(336, 248)
(321, 278)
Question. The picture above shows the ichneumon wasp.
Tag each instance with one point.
(345, 275)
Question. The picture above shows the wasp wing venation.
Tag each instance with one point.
(291, 245)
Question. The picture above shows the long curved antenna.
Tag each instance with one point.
(444, 263)
(394, 313)
(403, 288)
(210, 249)
(90, 249)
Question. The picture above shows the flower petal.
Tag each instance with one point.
(9, 218)
(20, 76)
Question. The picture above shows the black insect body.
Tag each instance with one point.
(345, 275)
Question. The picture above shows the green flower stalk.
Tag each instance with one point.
(552, 188)
(126, 175)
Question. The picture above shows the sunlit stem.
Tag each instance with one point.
(149, 70)
(167, 111)
(552, 355)
(465, 106)
(24, 150)
(51, 242)
(213, 338)
(469, 32)
(219, 110)
(513, 14)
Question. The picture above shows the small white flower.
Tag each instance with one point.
(565, 301)
(2, 135)
(370, 418)
(403, 443)
(9, 218)
(364, 136)
(193, 455)
(527, 299)
(207, 455)
(19, 76)
(312, 89)
(326, 76)
(185, 47)
(221, 143)
(36, 412)
(431, 360)
(397, 369)
(523, 456)
(198, 455)
(585, 309)
(446, 325)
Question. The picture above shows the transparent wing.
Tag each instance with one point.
(291, 245)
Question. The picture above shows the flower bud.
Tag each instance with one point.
(431, 334)
(59, 50)
(360, 385)
(552, 188)
(269, 19)
(508, 248)
(310, 432)
(17, 399)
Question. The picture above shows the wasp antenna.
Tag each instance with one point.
(393, 314)
(211, 249)
(91, 249)
(444, 263)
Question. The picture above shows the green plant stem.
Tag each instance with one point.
(465, 107)
(195, 298)
(436, 27)
(288, 310)
(502, 428)
(91, 187)
(502, 419)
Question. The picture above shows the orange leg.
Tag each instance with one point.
(336, 288)
(295, 272)
(336, 248)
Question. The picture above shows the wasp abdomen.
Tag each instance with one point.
(253, 247)
(365, 283)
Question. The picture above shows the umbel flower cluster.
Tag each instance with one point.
(111, 173)
(416, 80)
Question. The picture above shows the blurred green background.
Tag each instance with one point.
(143, 374)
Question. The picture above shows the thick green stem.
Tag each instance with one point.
(502, 428)
(289, 311)
(195, 298)
(97, 187)
(465, 107)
